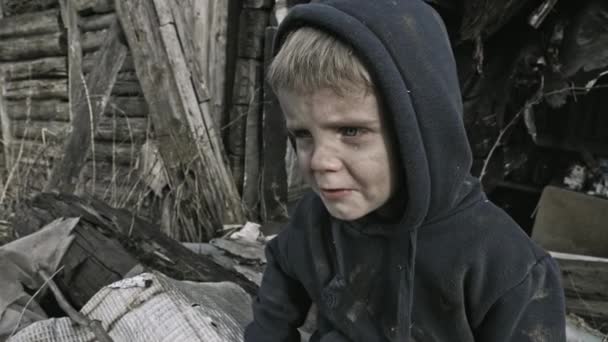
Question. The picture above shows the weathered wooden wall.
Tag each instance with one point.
(36, 109)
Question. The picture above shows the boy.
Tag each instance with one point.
(397, 242)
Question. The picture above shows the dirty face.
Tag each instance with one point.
(343, 149)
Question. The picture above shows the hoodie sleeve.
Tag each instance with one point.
(531, 311)
(282, 302)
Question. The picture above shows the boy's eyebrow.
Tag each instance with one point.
(352, 122)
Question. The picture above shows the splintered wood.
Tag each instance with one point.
(188, 137)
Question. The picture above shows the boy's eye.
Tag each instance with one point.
(350, 131)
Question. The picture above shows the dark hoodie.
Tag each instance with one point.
(452, 267)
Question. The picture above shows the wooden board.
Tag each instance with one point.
(28, 24)
(121, 129)
(39, 130)
(47, 67)
(252, 25)
(585, 281)
(86, 109)
(127, 106)
(17, 7)
(96, 22)
(274, 142)
(51, 110)
(37, 89)
(185, 132)
(30, 47)
(140, 238)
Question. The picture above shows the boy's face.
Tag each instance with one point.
(343, 149)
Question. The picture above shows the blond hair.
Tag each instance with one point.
(311, 59)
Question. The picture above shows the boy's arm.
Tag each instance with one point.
(531, 311)
(282, 303)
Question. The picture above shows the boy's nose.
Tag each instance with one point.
(325, 159)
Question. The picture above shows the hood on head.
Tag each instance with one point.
(405, 47)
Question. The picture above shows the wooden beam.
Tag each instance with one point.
(47, 110)
(252, 24)
(7, 137)
(141, 238)
(69, 15)
(274, 141)
(48, 67)
(96, 6)
(17, 7)
(37, 89)
(43, 131)
(29, 24)
(121, 129)
(97, 22)
(127, 106)
(30, 47)
(117, 153)
(216, 58)
(188, 140)
(65, 173)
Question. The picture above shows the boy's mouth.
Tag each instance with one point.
(334, 194)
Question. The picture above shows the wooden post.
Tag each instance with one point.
(4, 119)
(187, 136)
(69, 16)
(274, 142)
(89, 100)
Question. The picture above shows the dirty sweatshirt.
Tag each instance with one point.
(452, 266)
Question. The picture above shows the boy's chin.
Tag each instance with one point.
(345, 213)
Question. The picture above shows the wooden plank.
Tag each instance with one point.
(248, 81)
(235, 145)
(202, 127)
(252, 25)
(37, 89)
(44, 45)
(69, 15)
(216, 60)
(142, 238)
(36, 150)
(132, 107)
(45, 131)
(121, 129)
(49, 67)
(181, 17)
(96, 22)
(585, 280)
(100, 81)
(93, 40)
(120, 154)
(95, 6)
(127, 88)
(251, 166)
(4, 119)
(274, 141)
(185, 133)
(30, 24)
(51, 110)
(17, 7)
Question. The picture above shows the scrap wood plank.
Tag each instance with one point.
(142, 239)
(188, 141)
(585, 281)
(89, 101)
